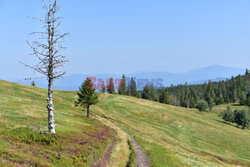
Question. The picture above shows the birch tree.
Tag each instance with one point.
(47, 49)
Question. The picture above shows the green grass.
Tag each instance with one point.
(79, 141)
(170, 136)
(132, 156)
(176, 136)
(234, 106)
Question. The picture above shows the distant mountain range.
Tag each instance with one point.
(213, 73)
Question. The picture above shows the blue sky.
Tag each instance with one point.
(114, 36)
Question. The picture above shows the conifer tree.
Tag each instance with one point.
(247, 72)
(86, 96)
(103, 88)
(149, 92)
(192, 102)
(111, 86)
(131, 89)
(122, 86)
(33, 83)
(248, 98)
(164, 96)
(146, 92)
(243, 99)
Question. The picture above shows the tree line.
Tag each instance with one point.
(124, 88)
(236, 89)
(202, 96)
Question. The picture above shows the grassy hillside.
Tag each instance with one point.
(171, 136)
(79, 141)
(175, 136)
(223, 107)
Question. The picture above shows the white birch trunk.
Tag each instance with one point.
(50, 107)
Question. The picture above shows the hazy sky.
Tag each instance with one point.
(133, 35)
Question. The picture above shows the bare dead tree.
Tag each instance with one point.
(47, 50)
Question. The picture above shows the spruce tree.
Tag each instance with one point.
(243, 99)
(247, 72)
(145, 92)
(122, 86)
(149, 92)
(86, 95)
(103, 88)
(111, 86)
(131, 89)
(164, 96)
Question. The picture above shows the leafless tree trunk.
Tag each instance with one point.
(47, 50)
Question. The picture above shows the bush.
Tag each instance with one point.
(228, 115)
(240, 118)
(202, 105)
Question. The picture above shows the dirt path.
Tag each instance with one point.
(141, 159)
(106, 156)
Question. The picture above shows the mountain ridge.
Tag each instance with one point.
(213, 72)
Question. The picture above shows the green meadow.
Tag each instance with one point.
(176, 136)
(169, 135)
(23, 123)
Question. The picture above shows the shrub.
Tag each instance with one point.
(240, 118)
(228, 115)
(202, 105)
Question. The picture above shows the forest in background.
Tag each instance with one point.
(236, 89)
